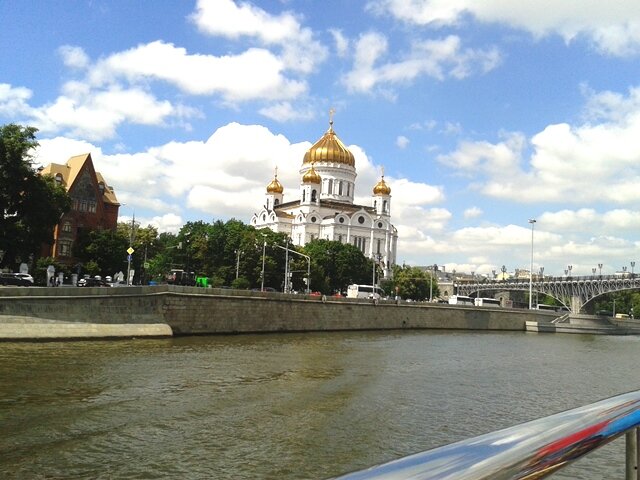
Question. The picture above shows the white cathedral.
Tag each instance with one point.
(325, 208)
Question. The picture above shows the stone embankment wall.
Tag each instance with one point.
(190, 310)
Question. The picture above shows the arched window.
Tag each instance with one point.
(375, 203)
(304, 195)
(313, 195)
(340, 188)
(276, 202)
(384, 206)
(330, 189)
(348, 189)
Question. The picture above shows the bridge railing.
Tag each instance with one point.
(531, 450)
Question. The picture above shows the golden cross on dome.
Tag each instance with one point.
(276, 175)
(382, 171)
(332, 111)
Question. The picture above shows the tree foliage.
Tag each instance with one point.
(413, 283)
(30, 204)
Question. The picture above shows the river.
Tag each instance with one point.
(290, 406)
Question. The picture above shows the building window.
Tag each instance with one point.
(379, 224)
(276, 202)
(264, 217)
(313, 195)
(341, 219)
(384, 206)
(348, 189)
(58, 178)
(66, 227)
(330, 189)
(313, 219)
(340, 238)
(64, 249)
(340, 188)
(378, 243)
(360, 219)
(92, 207)
(83, 205)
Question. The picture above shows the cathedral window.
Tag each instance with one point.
(384, 206)
(330, 189)
(360, 219)
(304, 195)
(313, 219)
(264, 217)
(313, 195)
(380, 225)
(348, 189)
(341, 219)
(339, 188)
(276, 202)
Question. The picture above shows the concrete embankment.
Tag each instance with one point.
(30, 328)
(188, 311)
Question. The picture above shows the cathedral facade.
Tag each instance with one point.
(325, 208)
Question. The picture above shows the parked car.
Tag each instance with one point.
(16, 279)
(92, 282)
(25, 276)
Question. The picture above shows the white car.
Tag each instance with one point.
(24, 276)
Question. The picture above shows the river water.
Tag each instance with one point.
(290, 406)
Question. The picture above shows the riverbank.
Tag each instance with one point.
(192, 311)
(16, 328)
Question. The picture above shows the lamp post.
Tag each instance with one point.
(570, 267)
(264, 249)
(238, 253)
(532, 221)
(593, 271)
(600, 267)
(503, 270)
(624, 271)
(633, 265)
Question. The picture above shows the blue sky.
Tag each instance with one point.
(482, 114)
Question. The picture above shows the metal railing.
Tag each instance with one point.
(530, 451)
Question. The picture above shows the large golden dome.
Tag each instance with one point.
(275, 186)
(311, 176)
(382, 188)
(329, 149)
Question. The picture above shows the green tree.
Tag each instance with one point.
(107, 249)
(30, 204)
(412, 283)
(336, 265)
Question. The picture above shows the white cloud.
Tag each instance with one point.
(613, 28)
(342, 42)
(586, 164)
(286, 112)
(228, 19)
(253, 74)
(74, 56)
(14, 100)
(473, 212)
(402, 141)
(439, 59)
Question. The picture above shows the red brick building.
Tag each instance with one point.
(94, 206)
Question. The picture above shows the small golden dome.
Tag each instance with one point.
(329, 149)
(382, 188)
(311, 176)
(275, 186)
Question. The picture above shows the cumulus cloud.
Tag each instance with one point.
(613, 29)
(589, 163)
(301, 52)
(439, 59)
(472, 212)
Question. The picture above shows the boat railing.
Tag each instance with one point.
(531, 450)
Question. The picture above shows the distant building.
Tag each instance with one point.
(94, 205)
(324, 208)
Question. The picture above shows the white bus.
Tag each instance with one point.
(460, 300)
(487, 302)
(552, 308)
(364, 291)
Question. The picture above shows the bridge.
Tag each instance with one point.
(573, 292)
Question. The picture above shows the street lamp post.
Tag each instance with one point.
(264, 249)
(532, 221)
(503, 270)
(600, 268)
(593, 271)
(570, 267)
(238, 253)
(624, 271)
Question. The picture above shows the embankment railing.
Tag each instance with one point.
(532, 450)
